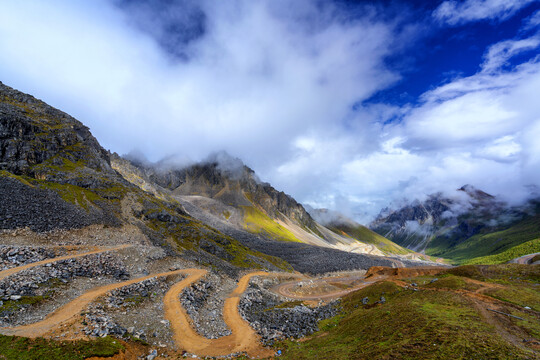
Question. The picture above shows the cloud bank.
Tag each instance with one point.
(283, 85)
(455, 12)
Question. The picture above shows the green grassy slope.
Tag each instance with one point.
(257, 222)
(499, 242)
(529, 247)
(365, 235)
(436, 322)
(18, 348)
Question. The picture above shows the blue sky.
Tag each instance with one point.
(350, 105)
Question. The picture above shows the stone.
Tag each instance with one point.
(153, 354)
(365, 301)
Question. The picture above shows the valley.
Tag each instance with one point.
(102, 256)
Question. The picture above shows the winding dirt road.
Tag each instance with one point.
(242, 339)
(8, 272)
(67, 312)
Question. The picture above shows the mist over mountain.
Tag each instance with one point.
(441, 225)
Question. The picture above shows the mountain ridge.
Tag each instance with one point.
(441, 226)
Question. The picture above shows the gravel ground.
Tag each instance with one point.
(262, 310)
(13, 256)
(204, 302)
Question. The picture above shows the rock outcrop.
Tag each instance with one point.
(32, 132)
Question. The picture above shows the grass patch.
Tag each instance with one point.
(71, 193)
(528, 247)
(493, 243)
(6, 173)
(504, 273)
(452, 282)
(10, 306)
(19, 348)
(522, 295)
(133, 300)
(258, 222)
(287, 305)
(410, 325)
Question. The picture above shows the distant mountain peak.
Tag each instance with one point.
(475, 193)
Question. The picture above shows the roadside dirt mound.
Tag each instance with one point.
(402, 272)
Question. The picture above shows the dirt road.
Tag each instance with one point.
(524, 259)
(8, 272)
(67, 312)
(286, 289)
(242, 339)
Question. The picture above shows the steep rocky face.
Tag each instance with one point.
(55, 159)
(32, 133)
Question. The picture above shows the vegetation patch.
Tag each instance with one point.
(452, 282)
(287, 305)
(528, 247)
(71, 193)
(10, 306)
(408, 325)
(19, 348)
(504, 273)
(522, 295)
(483, 245)
(22, 179)
(258, 222)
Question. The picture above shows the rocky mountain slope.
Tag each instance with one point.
(470, 224)
(51, 164)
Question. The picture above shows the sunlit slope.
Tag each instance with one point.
(365, 235)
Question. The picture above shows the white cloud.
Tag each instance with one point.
(532, 21)
(498, 54)
(481, 130)
(277, 90)
(455, 13)
(259, 78)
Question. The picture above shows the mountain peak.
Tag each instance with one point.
(475, 193)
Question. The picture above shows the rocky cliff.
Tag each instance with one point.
(33, 133)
